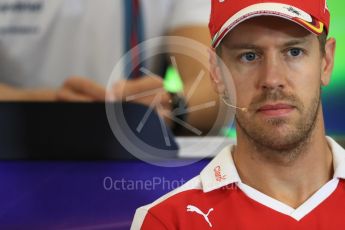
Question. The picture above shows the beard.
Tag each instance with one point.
(282, 135)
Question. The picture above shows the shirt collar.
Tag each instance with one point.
(221, 171)
(338, 159)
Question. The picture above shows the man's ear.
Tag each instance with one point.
(327, 63)
(216, 73)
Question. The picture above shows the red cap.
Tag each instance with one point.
(226, 14)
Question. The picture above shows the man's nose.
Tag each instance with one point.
(273, 73)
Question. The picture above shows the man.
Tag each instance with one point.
(284, 173)
(65, 50)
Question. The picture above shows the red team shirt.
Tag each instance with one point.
(217, 199)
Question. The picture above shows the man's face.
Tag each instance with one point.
(276, 69)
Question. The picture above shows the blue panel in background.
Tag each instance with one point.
(78, 195)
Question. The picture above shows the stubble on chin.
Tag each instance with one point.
(281, 135)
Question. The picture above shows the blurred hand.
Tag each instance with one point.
(145, 90)
(81, 90)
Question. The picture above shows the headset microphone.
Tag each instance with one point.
(232, 106)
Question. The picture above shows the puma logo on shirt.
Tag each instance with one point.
(191, 208)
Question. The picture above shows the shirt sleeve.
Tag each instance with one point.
(189, 12)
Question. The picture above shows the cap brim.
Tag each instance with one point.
(269, 9)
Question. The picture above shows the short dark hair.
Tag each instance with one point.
(322, 40)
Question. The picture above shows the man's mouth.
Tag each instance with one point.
(276, 110)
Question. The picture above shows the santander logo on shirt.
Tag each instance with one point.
(218, 174)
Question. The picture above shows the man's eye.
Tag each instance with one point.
(295, 52)
(248, 57)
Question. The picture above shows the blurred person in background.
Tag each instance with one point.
(65, 50)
